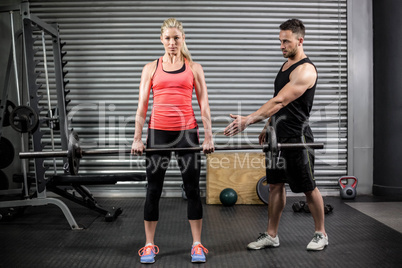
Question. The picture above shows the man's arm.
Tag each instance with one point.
(301, 79)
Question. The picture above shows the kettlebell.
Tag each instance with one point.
(348, 191)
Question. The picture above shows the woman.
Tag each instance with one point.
(172, 79)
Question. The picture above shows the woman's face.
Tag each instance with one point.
(172, 39)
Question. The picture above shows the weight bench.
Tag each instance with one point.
(77, 182)
(62, 186)
(93, 179)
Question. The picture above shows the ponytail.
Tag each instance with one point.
(185, 52)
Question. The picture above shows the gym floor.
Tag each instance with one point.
(365, 232)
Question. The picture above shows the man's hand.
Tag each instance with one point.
(238, 125)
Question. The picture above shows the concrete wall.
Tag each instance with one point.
(360, 94)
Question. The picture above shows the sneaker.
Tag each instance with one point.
(197, 253)
(148, 253)
(263, 241)
(319, 242)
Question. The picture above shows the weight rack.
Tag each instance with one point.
(31, 24)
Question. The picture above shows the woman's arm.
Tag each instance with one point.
(143, 99)
(202, 97)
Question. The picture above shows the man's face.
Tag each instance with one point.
(289, 43)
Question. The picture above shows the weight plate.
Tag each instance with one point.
(73, 157)
(272, 141)
(6, 153)
(9, 108)
(24, 119)
(3, 181)
(263, 189)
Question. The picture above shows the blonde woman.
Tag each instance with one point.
(172, 79)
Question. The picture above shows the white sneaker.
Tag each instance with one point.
(263, 241)
(319, 242)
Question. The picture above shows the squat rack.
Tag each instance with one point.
(31, 23)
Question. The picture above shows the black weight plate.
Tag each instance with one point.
(73, 158)
(3, 181)
(6, 153)
(24, 119)
(263, 189)
(272, 141)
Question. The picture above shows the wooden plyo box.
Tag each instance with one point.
(237, 170)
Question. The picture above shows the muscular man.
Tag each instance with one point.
(288, 112)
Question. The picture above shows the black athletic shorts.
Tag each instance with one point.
(295, 166)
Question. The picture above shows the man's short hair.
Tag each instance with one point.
(295, 25)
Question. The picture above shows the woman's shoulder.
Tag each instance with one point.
(150, 67)
(196, 67)
(151, 64)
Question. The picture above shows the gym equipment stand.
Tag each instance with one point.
(39, 198)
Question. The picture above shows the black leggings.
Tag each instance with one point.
(157, 163)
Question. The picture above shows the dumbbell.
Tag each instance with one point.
(303, 206)
(298, 206)
(328, 208)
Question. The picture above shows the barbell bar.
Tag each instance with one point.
(75, 152)
(80, 153)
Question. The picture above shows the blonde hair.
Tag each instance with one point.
(173, 23)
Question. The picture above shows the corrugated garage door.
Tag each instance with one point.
(108, 43)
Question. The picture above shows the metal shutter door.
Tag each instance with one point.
(236, 42)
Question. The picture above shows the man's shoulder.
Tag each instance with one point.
(305, 72)
(305, 65)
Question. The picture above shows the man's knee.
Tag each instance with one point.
(314, 196)
(276, 187)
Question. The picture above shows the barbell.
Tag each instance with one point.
(75, 152)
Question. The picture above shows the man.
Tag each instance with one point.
(288, 112)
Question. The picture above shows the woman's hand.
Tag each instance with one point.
(137, 148)
(208, 146)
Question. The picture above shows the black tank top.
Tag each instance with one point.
(292, 120)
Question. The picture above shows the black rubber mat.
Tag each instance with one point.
(41, 237)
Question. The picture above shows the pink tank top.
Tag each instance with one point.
(172, 99)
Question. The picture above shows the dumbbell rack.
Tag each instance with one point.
(30, 24)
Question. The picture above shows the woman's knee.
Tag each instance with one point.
(192, 193)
